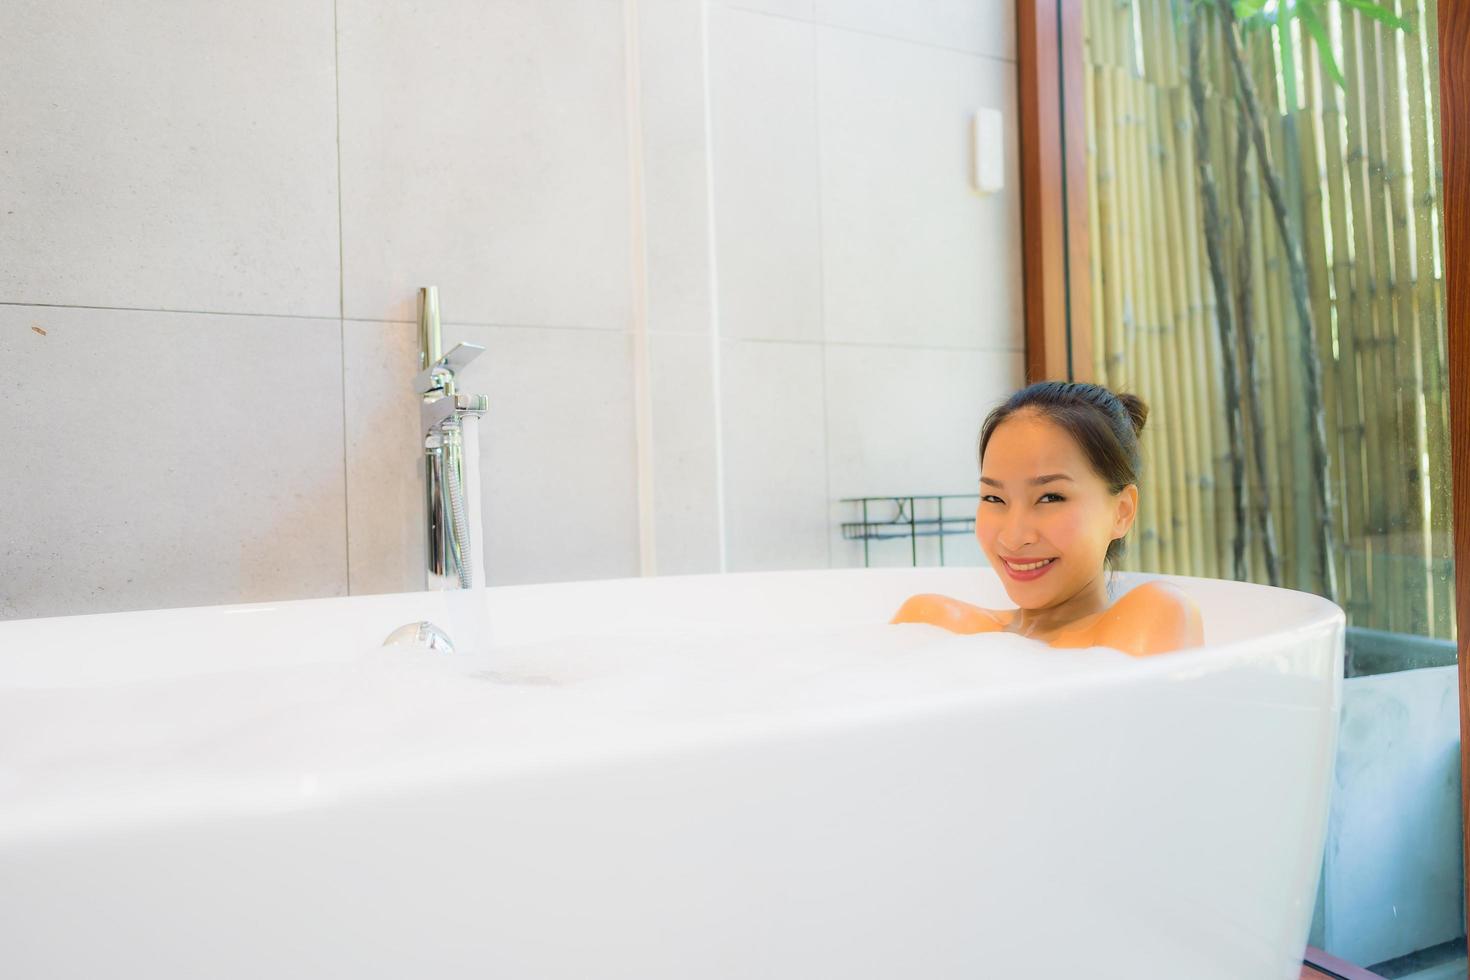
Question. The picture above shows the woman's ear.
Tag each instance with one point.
(1127, 503)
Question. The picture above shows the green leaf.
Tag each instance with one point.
(1246, 9)
(1313, 25)
(1379, 13)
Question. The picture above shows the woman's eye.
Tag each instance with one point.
(1056, 495)
(989, 497)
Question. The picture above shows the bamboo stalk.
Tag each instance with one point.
(1332, 138)
(1413, 544)
(1273, 368)
(1202, 362)
(1259, 488)
(1133, 334)
(1191, 443)
(1281, 414)
(1298, 275)
(1094, 36)
(1430, 318)
(1149, 29)
(1184, 506)
(1351, 429)
(1176, 54)
(1298, 498)
(1095, 233)
(1128, 235)
(1396, 594)
(1209, 367)
(1164, 379)
(1237, 520)
(1378, 490)
(1148, 338)
(1168, 74)
(1316, 228)
(1268, 487)
(1123, 377)
(1245, 308)
(1108, 210)
(1221, 292)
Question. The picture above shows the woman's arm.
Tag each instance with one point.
(1155, 617)
(952, 614)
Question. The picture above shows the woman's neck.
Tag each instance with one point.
(1040, 624)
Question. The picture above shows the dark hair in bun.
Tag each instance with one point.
(1105, 424)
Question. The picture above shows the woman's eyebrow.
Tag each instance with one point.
(1034, 481)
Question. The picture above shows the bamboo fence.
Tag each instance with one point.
(1360, 168)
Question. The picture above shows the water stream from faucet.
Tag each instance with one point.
(469, 607)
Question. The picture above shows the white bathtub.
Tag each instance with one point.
(700, 777)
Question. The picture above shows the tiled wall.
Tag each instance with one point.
(725, 259)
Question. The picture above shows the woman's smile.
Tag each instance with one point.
(1027, 570)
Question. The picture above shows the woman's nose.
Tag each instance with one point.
(1017, 532)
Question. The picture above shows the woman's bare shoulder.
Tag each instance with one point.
(1155, 617)
(955, 615)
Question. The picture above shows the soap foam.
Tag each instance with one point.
(248, 733)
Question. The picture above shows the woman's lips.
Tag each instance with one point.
(1020, 576)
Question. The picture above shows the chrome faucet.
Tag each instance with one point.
(443, 416)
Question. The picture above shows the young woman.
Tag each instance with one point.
(1059, 491)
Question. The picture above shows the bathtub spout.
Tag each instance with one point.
(424, 635)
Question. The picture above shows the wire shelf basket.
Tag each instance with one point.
(886, 518)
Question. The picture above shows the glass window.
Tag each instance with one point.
(1267, 272)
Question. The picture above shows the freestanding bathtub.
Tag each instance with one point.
(701, 777)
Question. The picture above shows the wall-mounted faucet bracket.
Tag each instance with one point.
(439, 376)
(432, 414)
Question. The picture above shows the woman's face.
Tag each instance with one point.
(1070, 518)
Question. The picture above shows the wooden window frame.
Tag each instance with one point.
(1454, 130)
(1056, 252)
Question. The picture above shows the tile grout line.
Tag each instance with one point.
(862, 32)
(822, 291)
(342, 304)
(712, 254)
(858, 344)
(152, 309)
(875, 345)
(638, 262)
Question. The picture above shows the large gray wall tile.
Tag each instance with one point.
(385, 469)
(484, 150)
(558, 452)
(910, 252)
(767, 227)
(685, 455)
(676, 203)
(169, 156)
(907, 421)
(775, 466)
(192, 459)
